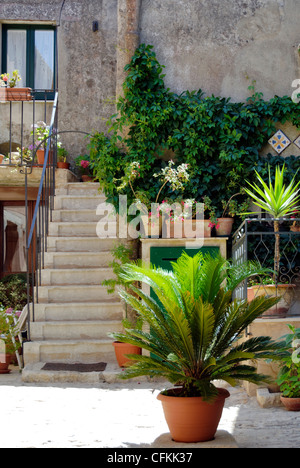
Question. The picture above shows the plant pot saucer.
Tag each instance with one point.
(5, 371)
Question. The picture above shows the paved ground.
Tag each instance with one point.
(122, 415)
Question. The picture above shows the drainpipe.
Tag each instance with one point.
(128, 38)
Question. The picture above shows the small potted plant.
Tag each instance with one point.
(83, 162)
(9, 90)
(278, 201)
(231, 208)
(40, 132)
(289, 376)
(192, 338)
(62, 155)
(8, 344)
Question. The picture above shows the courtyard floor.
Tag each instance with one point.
(122, 415)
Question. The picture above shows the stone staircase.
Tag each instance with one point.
(75, 312)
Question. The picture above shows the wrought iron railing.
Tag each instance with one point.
(38, 231)
(255, 240)
(19, 130)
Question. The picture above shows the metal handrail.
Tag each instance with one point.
(36, 235)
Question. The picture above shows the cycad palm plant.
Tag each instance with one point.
(194, 324)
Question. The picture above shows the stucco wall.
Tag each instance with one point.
(215, 44)
(86, 60)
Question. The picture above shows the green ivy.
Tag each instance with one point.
(221, 140)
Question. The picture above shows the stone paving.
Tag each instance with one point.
(125, 415)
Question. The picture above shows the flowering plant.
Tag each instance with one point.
(83, 162)
(11, 82)
(176, 177)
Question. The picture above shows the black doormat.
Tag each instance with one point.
(77, 367)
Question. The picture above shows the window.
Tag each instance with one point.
(31, 50)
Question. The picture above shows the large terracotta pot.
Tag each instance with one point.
(5, 360)
(224, 227)
(191, 419)
(291, 404)
(121, 349)
(1, 158)
(284, 291)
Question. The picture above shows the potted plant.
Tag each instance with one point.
(231, 208)
(40, 133)
(8, 344)
(62, 155)
(289, 376)
(176, 177)
(193, 338)
(122, 255)
(83, 162)
(278, 201)
(9, 90)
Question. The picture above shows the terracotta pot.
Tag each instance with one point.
(291, 404)
(121, 349)
(187, 229)
(1, 158)
(284, 291)
(40, 155)
(87, 178)
(5, 360)
(225, 227)
(63, 165)
(191, 419)
(15, 94)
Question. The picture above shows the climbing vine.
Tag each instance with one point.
(221, 140)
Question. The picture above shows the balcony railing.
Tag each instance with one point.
(19, 120)
(255, 240)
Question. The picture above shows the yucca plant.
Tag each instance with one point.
(277, 200)
(194, 324)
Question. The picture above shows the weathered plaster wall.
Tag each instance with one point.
(215, 44)
(87, 59)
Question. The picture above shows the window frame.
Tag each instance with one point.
(30, 54)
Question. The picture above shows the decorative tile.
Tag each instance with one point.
(297, 141)
(279, 142)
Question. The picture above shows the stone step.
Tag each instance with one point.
(72, 202)
(33, 373)
(52, 277)
(72, 216)
(76, 259)
(78, 311)
(69, 351)
(80, 244)
(75, 293)
(80, 229)
(88, 330)
(80, 188)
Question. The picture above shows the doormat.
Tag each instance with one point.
(77, 367)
